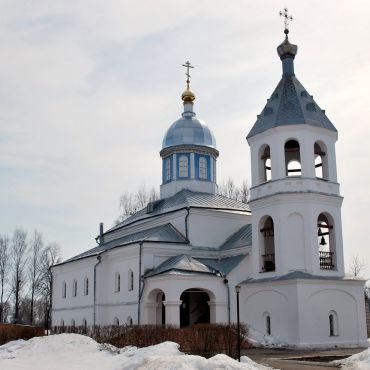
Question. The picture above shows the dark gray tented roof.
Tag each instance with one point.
(290, 104)
(186, 198)
(164, 233)
(184, 263)
(241, 238)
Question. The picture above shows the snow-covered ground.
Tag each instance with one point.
(259, 339)
(77, 352)
(360, 361)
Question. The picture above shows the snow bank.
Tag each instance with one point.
(359, 361)
(77, 352)
(259, 339)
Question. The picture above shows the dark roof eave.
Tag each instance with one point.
(215, 273)
(118, 246)
(176, 210)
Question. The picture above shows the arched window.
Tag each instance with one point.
(265, 164)
(62, 324)
(74, 288)
(84, 326)
(268, 245)
(167, 169)
(268, 325)
(86, 286)
(326, 241)
(64, 289)
(292, 158)
(129, 321)
(117, 283)
(333, 324)
(115, 321)
(73, 323)
(183, 166)
(130, 280)
(203, 173)
(321, 165)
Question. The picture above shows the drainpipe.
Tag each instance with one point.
(140, 288)
(226, 282)
(94, 312)
(186, 224)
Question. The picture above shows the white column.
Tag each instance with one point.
(172, 312)
(192, 166)
(217, 312)
(150, 313)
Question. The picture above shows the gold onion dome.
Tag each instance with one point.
(188, 96)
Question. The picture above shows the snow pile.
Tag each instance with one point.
(359, 361)
(259, 339)
(77, 352)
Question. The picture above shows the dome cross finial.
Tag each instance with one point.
(188, 96)
(287, 18)
(187, 65)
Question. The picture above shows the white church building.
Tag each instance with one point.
(178, 260)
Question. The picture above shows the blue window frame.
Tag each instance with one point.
(167, 169)
(183, 165)
(202, 167)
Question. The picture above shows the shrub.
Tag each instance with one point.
(201, 339)
(10, 332)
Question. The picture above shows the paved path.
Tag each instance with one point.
(273, 357)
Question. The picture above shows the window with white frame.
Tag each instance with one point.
(73, 323)
(115, 321)
(130, 280)
(64, 289)
(183, 166)
(74, 288)
(86, 286)
(129, 321)
(203, 168)
(117, 283)
(167, 170)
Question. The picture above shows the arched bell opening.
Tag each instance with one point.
(321, 161)
(326, 241)
(267, 245)
(293, 165)
(265, 164)
(194, 308)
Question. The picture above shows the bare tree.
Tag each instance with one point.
(229, 189)
(50, 256)
(4, 269)
(18, 259)
(358, 266)
(130, 203)
(36, 245)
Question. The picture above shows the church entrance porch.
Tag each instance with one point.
(183, 300)
(194, 308)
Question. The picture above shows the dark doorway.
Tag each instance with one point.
(194, 308)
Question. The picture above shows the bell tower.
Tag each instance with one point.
(295, 199)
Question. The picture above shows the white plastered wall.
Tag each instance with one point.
(299, 310)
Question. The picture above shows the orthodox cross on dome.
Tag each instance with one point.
(287, 18)
(187, 65)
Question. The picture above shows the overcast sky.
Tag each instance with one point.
(88, 89)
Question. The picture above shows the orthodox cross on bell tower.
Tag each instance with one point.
(287, 18)
(187, 65)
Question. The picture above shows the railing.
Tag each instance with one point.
(268, 262)
(326, 260)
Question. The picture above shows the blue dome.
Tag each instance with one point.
(188, 130)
